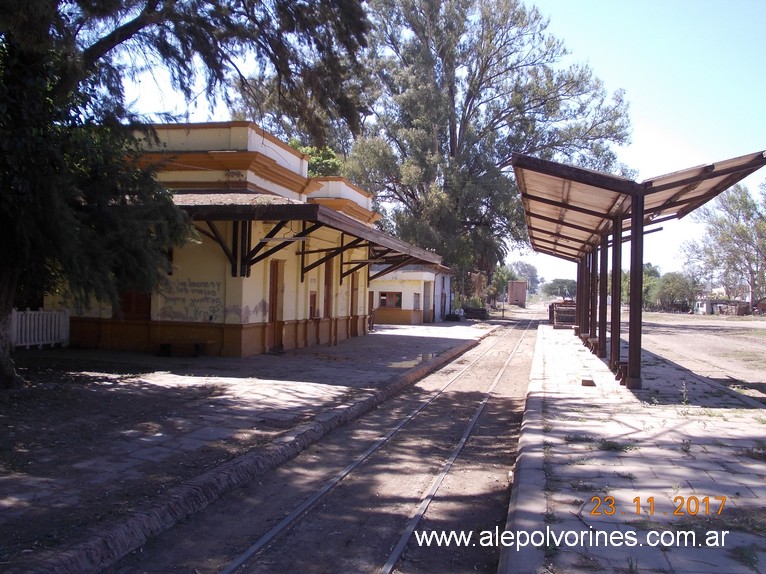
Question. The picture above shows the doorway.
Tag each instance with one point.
(354, 311)
(276, 312)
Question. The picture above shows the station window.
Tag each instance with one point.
(390, 299)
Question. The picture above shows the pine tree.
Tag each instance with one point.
(73, 202)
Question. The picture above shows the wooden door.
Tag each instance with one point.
(274, 327)
(354, 311)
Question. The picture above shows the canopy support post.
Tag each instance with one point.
(614, 347)
(604, 253)
(633, 379)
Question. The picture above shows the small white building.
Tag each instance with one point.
(412, 295)
(721, 307)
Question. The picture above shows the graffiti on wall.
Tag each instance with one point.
(247, 314)
(189, 300)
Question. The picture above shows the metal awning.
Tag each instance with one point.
(569, 209)
(571, 213)
(244, 251)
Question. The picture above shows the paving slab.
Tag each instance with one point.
(677, 467)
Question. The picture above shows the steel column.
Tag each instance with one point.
(592, 328)
(580, 304)
(633, 379)
(614, 347)
(602, 288)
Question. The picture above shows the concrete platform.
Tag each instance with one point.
(670, 478)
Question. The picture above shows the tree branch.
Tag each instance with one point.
(148, 16)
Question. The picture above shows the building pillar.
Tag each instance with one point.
(583, 299)
(602, 289)
(592, 329)
(633, 379)
(614, 347)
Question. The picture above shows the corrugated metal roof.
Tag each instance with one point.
(569, 209)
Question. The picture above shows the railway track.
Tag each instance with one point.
(433, 460)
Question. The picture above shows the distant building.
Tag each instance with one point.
(517, 293)
(721, 307)
(412, 295)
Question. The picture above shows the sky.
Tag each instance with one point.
(693, 74)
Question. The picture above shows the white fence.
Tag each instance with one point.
(38, 328)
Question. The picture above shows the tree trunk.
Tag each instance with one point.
(8, 376)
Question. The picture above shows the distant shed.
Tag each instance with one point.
(517, 293)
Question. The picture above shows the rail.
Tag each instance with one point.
(300, 511)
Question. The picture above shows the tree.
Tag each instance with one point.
(463, 85)
(529, 272)
(566, 288)
(500, 278)
(650, 284)
(675, 292)
(73, 200)
(323, 162)
(732, 252)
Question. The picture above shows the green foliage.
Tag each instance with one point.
(529, 272)
(464, 303)
(732, 253)
(501, 277)
(652, 271)
(81, 209)
(566, 288)
(314, 84)
(674, 292)
(73, 202)
(323, 162)
(650, 282)
(462, 85)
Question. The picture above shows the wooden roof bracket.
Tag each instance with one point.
(393, 267)
(332, 254)
(374, 258)
(249, 254)
(216, 235)
(371, 258)
(253, 259)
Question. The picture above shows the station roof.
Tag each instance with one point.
(568, 209)
(210, 206)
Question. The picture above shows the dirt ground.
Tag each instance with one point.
(95, 436)
(74, 415)
(355, 527)
(729, 350)
(73, 410)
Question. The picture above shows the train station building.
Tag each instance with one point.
(281, 260)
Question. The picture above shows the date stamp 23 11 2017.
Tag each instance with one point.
(682, 506)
